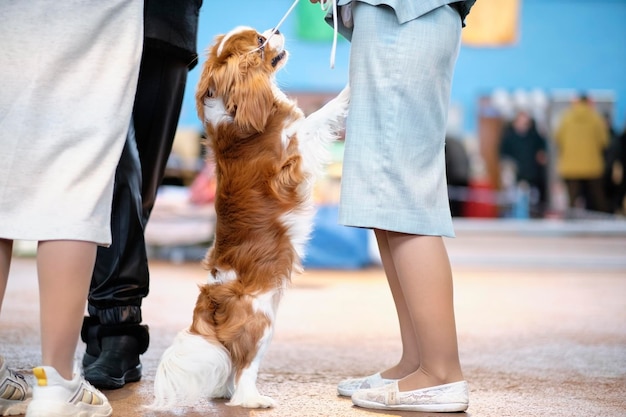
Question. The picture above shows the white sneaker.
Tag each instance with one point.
(347, 387)
(54, 396)
(15, 392)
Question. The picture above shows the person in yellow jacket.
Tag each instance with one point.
(581, 138)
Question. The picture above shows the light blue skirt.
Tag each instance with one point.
(394, 163)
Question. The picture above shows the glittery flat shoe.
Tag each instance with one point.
(445, 398)
(347, 387)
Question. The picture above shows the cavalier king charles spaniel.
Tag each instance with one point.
(267, 156)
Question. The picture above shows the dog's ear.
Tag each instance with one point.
(242, 82)
(206, 86)
(203, 89)
(211, 77)
(250, 99)
(245, 89)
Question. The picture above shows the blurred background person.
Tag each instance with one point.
(523, 145)
(581, 138)
(621, 184)
(458, 173)
(612, 165)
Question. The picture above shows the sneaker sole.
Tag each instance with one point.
(61, 409)
(13, 408)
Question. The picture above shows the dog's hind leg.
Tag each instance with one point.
(246, 393)
(247, 352)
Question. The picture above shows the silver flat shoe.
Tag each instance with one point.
(347, 387)
(445, 398)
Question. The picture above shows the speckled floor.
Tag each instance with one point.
(541, 319)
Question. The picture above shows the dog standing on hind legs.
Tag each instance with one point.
(267, 156)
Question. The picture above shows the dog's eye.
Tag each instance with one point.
(261, 41)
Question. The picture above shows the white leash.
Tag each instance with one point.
(293, 5)
(325, 6)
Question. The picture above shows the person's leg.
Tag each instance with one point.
(64, 269)
(621, 192)
(118, 285)
(121, 276)
(425, 277)
(15, 393)
(113, 333)
(157, 109)
(573, 192)
(6, 249)
(595, 196)
(410, 359)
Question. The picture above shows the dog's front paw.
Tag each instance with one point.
(344, 95)
(255, 401)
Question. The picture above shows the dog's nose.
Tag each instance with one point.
(276, 31)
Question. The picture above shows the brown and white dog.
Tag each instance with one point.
(267, 156)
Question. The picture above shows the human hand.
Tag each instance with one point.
(541, 158)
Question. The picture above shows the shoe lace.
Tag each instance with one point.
(16, 375)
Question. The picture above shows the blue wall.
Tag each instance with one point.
(563, 44)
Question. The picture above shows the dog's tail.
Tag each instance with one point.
(192, 368)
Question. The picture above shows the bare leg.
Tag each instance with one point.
(6, 249)
(410, 359)
(423, 270)
(64, 268)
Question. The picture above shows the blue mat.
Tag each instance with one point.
(333, 246)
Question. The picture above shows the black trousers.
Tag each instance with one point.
(121, 277)
(591, 190)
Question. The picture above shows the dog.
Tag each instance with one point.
(267, 156)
